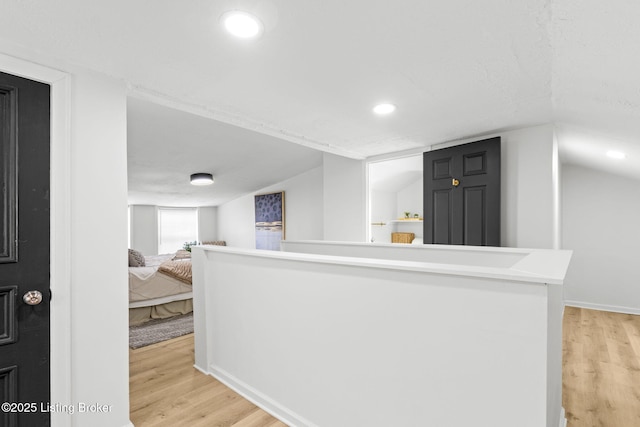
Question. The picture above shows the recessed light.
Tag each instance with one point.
(619, 155)
(242, 24)
(383, 109)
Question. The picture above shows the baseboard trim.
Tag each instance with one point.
(259, 399)
(277, 410)
(562, 422)
(201, 370)
(603, 307)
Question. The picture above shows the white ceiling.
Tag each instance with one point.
(455, 69)
(588, 148)
(166, 146)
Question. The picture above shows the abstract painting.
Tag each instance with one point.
(269, 221)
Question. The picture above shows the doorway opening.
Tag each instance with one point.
(395, 199)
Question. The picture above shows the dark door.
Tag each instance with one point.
(462, 194)
(24, 252)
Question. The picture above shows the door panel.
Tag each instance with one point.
(8, 330)
(441, 216)
(469, 175)
(8, 390)
(474, 164)
(475, 215)
(8, 174)
(442, 168)
(24, 250)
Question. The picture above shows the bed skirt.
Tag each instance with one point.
(143, 314)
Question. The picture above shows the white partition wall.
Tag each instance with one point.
(369, 340)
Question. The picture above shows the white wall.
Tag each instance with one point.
(556, 178)
(410, 200)
(207, 223)
(384, 206)
(303, 211)
(600, 224)
(144, 228)
(528, 192)
(99, 348)
(236, 221)
(344, 207)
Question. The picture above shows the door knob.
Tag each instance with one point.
(455, 182)
(32, 297)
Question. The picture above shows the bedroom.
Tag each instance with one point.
(89, 111)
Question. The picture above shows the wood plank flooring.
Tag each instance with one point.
(166, 390)
(601, 379)
(601, 368)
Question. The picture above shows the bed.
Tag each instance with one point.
(160, 285)
(155, 293)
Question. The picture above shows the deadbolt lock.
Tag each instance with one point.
(455, 182)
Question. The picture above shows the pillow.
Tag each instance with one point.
(215, 243)
(136, 259)
(181, 254)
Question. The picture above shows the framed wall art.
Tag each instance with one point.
(269, 220)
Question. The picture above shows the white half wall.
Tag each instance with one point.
(600, 224)
(371, 322)
(303, 211)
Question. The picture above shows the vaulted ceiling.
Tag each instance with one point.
(454, 69)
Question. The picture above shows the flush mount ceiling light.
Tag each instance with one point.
(201, 179)
(382, 109)
(242, 24)
(618, 155)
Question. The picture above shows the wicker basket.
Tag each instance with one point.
(402, 237)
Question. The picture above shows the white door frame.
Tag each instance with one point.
(60, 357)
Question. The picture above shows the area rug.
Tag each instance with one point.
(159, 330)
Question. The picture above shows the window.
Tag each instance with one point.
(176, 226)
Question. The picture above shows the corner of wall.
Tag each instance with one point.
(528, 211)
(344, 194)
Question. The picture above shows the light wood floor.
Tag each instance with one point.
(600, 379)
(601, 368)
(166, 390)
